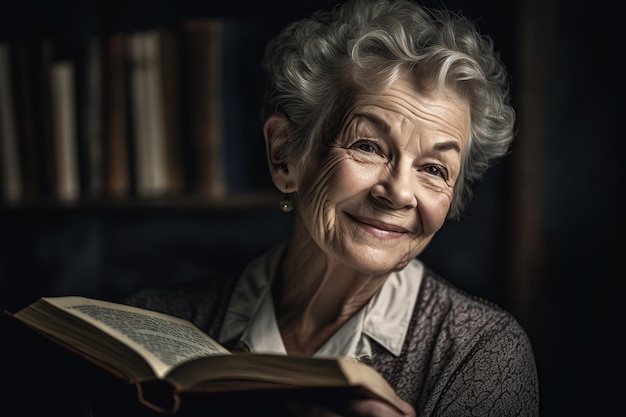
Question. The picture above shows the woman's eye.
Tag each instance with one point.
(435, 170)
(368, 147)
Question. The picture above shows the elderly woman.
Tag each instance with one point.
(379, 116)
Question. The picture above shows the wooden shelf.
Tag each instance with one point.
(262, 199)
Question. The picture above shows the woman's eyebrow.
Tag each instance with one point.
(443, 146)
(380, 124)
(447, 145)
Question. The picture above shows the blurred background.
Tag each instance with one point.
(542, 236)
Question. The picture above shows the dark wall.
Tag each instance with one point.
(110, 253)
(581, 348)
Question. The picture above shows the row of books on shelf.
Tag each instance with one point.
(144, 114)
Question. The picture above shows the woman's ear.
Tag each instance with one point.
(276, 132)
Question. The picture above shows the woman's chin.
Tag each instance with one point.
(377, 263)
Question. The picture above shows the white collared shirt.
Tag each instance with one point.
(251, 320)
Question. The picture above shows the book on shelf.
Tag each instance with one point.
(21, 102)
(10, 174)
(43, 59)
(146, 113)
(157, 169)
(170, 81)
(117, 176)
(31, 60)
(202, 84)
(145, 348)
(90, 111)
(63, 107)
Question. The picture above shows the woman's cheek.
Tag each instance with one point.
(433, 212)
(322, 181)
(315, 196)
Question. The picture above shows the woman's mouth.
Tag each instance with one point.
(377, 228)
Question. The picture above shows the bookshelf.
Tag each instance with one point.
(168, 110)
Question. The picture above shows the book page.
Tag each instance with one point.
(164, 340)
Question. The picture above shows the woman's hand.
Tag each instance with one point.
(349, 408)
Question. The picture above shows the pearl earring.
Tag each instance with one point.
(286, 204)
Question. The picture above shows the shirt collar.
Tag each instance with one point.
(393, 305)
(250, 317)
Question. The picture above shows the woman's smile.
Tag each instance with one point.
(377, 228)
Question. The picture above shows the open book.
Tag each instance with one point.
(142, 346)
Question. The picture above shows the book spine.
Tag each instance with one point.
(117, 176)
(204, 92)
(64, 130)
(155, 117)
(170, 80)
(90, 112)
(12, 188)
(147, 114)
(43, 105)
(29, 120)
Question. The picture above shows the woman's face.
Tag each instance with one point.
(375, 197)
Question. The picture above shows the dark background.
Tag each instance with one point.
(542, 236)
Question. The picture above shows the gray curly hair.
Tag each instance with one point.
(317, 66)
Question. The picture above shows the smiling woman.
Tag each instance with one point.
(375, 197)
(379, 116)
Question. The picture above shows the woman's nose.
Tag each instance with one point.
(397, 188)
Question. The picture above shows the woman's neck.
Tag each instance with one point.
(314, 295)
